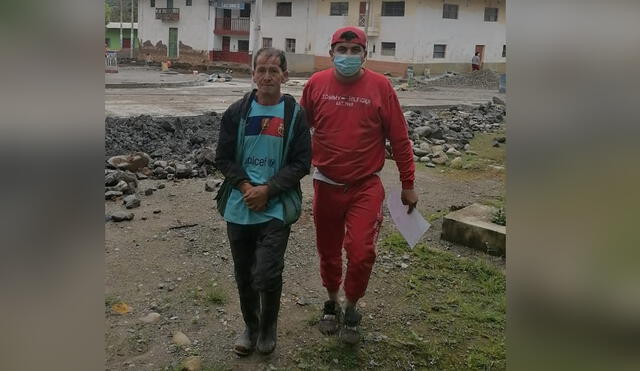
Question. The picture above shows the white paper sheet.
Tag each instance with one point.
(411, 226)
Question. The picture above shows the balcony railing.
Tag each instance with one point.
(232, 26)
(168, 14)
(228, 56)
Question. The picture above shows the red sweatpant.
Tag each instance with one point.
(349, 217)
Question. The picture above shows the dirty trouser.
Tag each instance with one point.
(349, 217)
(258, 254)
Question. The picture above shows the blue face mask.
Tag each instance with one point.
(347, 65)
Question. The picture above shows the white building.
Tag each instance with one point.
(194, 31)
(439, 35)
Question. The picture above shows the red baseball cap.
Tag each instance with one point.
(360, 38)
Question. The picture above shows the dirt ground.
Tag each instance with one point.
(177, 262)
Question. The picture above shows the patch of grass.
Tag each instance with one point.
(212, 295)
(482, 144)
(500, 216)
(110, 300)
(486, 161)
(395, 243)
(330, 355)
(498, 202)
(216, 367)
(215, 295)
(313, 319)
(460, 322)
(435, 216)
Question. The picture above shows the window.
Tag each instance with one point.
(283, 10)
(491, 14)
(243, 45)
(189, 2)
(388, 48)
(246, 12)
(267, 42)
(153, 3)
(439, 50)
(504, 51)
(341, 8)
(450, 11)
(290, 45)
(393, 8)
(169, 4)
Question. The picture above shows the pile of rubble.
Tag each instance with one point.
(167, 146)
(121, 179)
(484, 79)
(440, 135)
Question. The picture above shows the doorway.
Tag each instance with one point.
(480, 49)
(362, 14)
(226, 43)
(173, 43)
(226, 19)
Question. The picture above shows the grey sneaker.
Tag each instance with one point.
(350, 332)
(330, 320)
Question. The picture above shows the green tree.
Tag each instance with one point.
(107, 13)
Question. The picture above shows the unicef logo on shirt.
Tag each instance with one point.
(260, 161)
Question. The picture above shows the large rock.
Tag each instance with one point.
(160, 163)
(111, 178)
(454, 152)
(205, 156)
(133, 162)
(160, 172)
(439, 158)
(131, 201)
(425, 147)
(423, 131)
(112, 195)
(122, 187)
(420, 152)
(151, 317)
(212, 184)
(193, 363)
(456, 163)
(497, 100)
(181, 339)
(183, 171)
(120, 216)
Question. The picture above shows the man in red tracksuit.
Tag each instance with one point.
(351, 111)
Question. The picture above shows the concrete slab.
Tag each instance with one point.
(472, 227)
(150, 77)
(197, 100)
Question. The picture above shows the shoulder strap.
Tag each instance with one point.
(296, 110)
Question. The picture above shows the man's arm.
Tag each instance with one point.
(396, 129)
(225, 160)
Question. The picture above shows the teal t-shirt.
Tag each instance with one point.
(261, 160)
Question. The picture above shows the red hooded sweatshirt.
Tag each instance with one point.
(350, 123)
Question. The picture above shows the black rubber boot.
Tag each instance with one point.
(250, 307)
(269, 320)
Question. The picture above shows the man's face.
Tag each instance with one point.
(348, 49)
(268, 75)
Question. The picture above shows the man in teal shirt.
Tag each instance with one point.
(251, 155)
